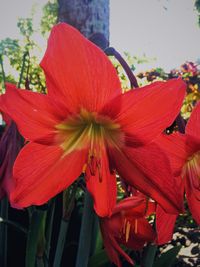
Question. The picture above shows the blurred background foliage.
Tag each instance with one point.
(21, 56)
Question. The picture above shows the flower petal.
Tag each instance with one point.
(87, 79)
(148, 170)
(164, 226)
(176, 149)
(141, 234)
(193, 125)
(107, 226)
(118, 249)
(146, 112)
(193, 195)
(103, 188)
(41, 172)
(35, 114)
(129, 203)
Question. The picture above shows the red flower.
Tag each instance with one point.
(84, 121)
(183, 151)
(127, 226)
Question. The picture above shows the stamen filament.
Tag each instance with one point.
(128, 228)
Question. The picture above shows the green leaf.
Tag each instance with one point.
(3, 231)
(167, 258)
(149, 255)
(98, 259)
(99, 242)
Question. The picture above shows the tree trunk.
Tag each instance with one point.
(88, 16)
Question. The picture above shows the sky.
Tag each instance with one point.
(165, 29)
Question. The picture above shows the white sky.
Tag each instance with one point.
(165, 29)
(11, 10)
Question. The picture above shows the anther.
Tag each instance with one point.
(99, 170)
(128, 228)
(92, 165)
(84, 168)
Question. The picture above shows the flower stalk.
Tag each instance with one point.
(110, 51)
(149, 255)
(68, 205)
(22, 68)
(2, 71)
(37, 219)
(85, 238)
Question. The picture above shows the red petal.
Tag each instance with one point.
(176, 149)
(5, 117)
(116, 246)
(138, 211)
(111, 245)
(78, 70)
(144, 231)
(103, 188)
(147, 111)
(139, 234)
(128, 203)
(193, 196)
(148, 170)
(164, 225)
(41, 172)
(193, 125)
(35, 114)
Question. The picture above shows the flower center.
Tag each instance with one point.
(88, 130)
(128, 226)
(192, 169)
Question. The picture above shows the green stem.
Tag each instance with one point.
(50, 216)
(68, 205)
(149, 256)
(86, 232)
(95, 235)
(36, 223)
(61, 242)
(3, 232)
(22, 69)
(2, 71)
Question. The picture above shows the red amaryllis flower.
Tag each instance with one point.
(127, 226)
(10, 145)
(84, 116)
(183, 151)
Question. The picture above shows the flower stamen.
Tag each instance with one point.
(128, 228)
